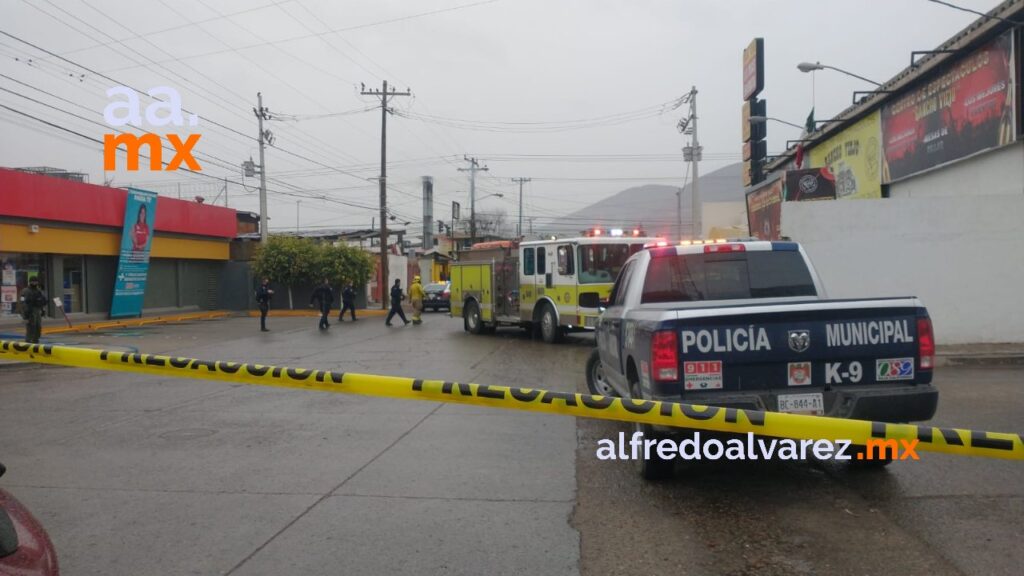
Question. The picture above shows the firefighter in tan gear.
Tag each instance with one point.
(416, 297)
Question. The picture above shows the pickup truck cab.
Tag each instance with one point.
(746, 324)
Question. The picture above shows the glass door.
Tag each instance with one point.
(73, 284)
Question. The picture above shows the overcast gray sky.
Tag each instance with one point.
(499, 67)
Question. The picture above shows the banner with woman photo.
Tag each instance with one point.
(133, 263)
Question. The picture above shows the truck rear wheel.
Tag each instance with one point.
(655, 467)
(550, 332)
(472, 322)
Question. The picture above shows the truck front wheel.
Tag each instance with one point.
(550, 332)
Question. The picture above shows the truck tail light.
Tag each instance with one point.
(665, 356)
(925, 344)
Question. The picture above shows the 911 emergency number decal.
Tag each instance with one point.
(705, 375)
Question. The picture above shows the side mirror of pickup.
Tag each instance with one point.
(592, 300)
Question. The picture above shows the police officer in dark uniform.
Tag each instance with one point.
(348, 302)
(33, 306)
(396, 303)
(325, 297)
(263, 294)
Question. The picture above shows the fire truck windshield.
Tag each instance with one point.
(600, 263)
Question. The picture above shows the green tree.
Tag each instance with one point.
(287, 260)
(344, 264)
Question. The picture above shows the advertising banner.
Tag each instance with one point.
(133, 264)
(810, 184)
(764, 211)
(854, 157)
(967, 108)
(753, 68)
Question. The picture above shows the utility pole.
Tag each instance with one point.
(385, 95)
(262, 114)
(474, 167)
(519, 227)
(693, 154)
(297, 202)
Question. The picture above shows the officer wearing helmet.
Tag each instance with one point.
(33, 306)
(416, 297)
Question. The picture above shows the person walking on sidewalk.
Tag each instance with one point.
(33, 306)
(416, 297)
(396, 303)
(348, 302)
(325, 297)
(263, 294)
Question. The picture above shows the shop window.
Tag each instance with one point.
(17, 270)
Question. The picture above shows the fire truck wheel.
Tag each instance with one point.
(471, 318)
(550, 332)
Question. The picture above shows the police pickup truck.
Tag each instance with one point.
(746, 324)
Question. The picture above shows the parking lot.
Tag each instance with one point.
(145, 475)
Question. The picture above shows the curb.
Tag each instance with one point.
(131, 323)
(980, 360)
(313, 313)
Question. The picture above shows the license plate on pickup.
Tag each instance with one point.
(802, 403)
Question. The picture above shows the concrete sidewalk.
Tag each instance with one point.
(979, 354)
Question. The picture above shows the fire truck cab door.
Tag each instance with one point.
(562, 281)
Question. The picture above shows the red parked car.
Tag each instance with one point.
(25, 548)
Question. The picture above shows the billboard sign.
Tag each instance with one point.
(753, 68)
(967, 108)
(764, 211)
(854, 158)
(810, 184)
(133, 263)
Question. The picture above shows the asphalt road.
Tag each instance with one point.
(141, 475)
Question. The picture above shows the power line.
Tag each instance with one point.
(976, 12)
(206, 119)
(116, 82)
(178, 27)
(197, 173)
(317, 34)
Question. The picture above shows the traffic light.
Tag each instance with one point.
(440, 226)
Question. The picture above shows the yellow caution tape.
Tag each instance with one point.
(712, 418)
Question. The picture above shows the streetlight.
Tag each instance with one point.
(809, 67)
(472, 217)
(763, 119)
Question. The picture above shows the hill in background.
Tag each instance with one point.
(652, 206)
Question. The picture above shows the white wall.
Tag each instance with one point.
(1000, 172)
(963, 256)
